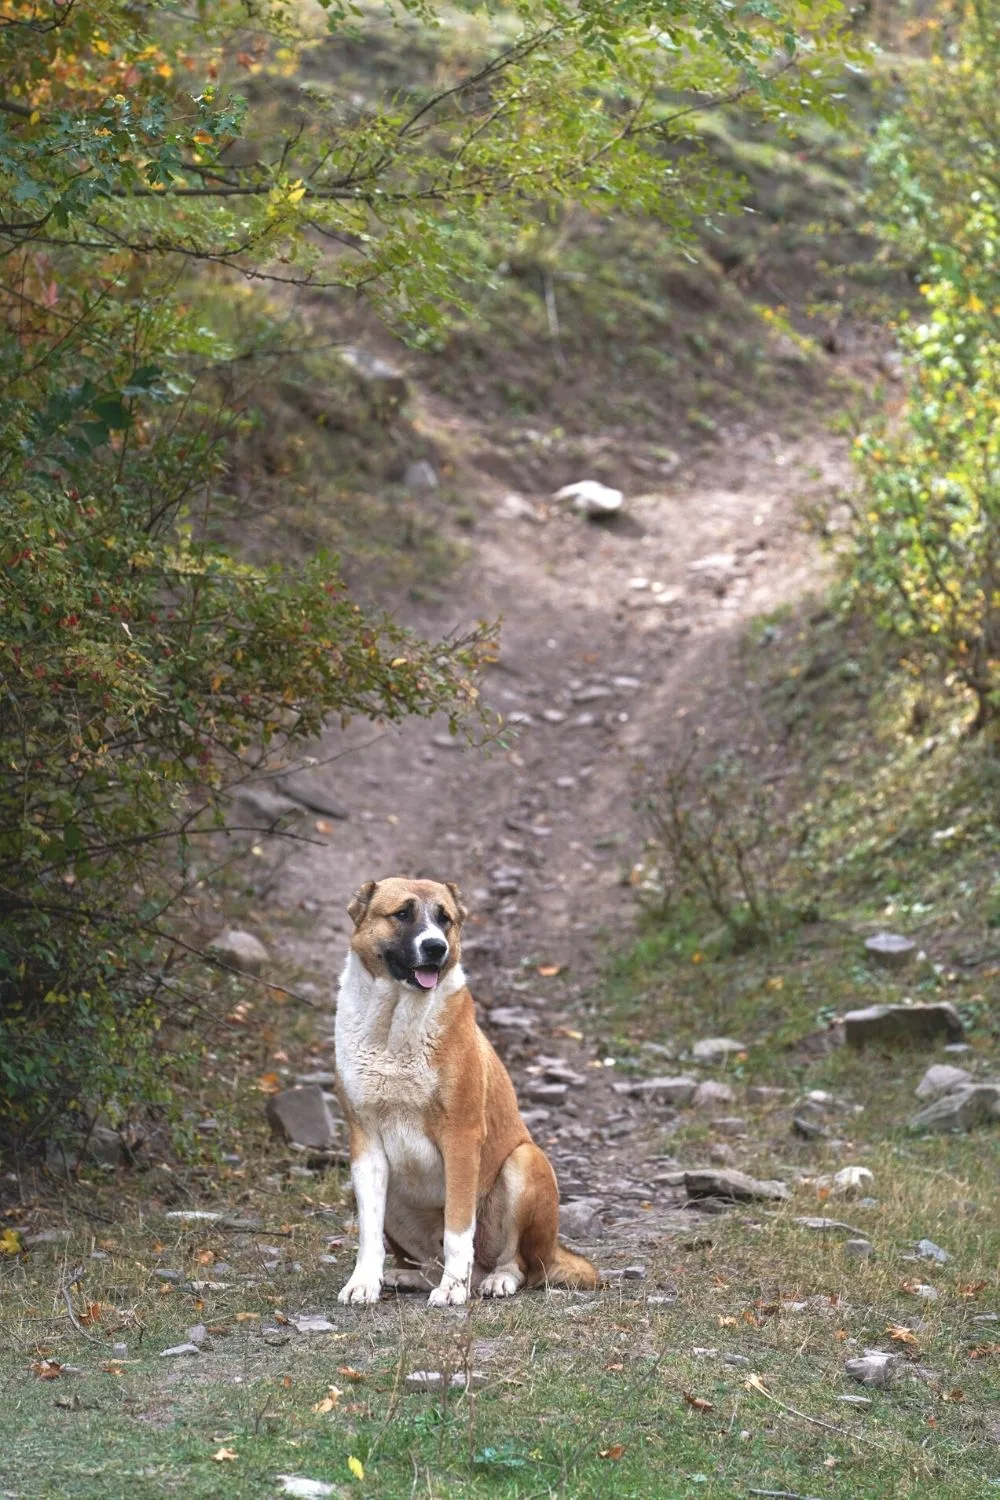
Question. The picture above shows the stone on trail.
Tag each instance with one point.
(240, 950)
(197, 1335)
(849, 1180)
(941, 1078)
(963, 1109)
(759, 1093)
(434, 1380)
(709, 1095)
(546, 1093)
(312, 1323)
(194, 1216)
(707, 1182)
(592, 499)
(930, 1251)
(662, 1090)
(309, 789)
(877, 1368)
(420, 475)
(580, 1219)
(890, 950)
(913, 1025)
(730, 1125)
(302, 1115)
(715, 1049)
(811, 1221)
(858, 1249)
(178, 1350)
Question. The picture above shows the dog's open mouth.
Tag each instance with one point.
(426, 976)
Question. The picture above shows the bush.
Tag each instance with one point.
(926, 539)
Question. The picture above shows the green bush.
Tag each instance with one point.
(926, 541)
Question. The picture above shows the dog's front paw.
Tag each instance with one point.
(499, 1284)
(450, 1293)
(362, 1288)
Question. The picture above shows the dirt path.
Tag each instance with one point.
(597, 672)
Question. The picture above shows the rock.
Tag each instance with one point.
(179, 1350)
(809, 1130)
(709, 1095)
(580, 1219)
(44, 1237)
(325, 1080)
(553, 716)
(240, 950)
(912, 1025)
(197, 1335)
(533, 1118)
(715, 1049)
(730, 1125)
(713, 562)
(512, 1018)
(924, 1290)
(309, 789)
(302, 1115)
(420, 475)
(194, 1216)
(941, 1078)
(890, 950)
(877, 1368)
(119, 1351)
(930, 1251)
(592, 693)
(105, 1145)
(810, 1221)
(721, 1153)
(706, 1182)
(312, 1323)
(591, 499)
(759, 1093)
(516, 508)
(305, 1489)
(849, 1180)
(963, 1109)
(383, 383)
(546, 1093)
(858, 1249)
(663, 1090)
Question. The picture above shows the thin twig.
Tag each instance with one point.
(65, 1289)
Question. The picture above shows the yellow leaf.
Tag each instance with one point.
(329, 1401)
(225, 1455)
(754, 1383)
(10, 1242)
(297, 192)
(34, 117)
(356, 1467)
(166, 71)
(202, 138)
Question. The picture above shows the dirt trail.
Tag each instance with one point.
(595, 675)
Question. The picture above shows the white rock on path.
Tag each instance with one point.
(304, 1489)
(710, 1095)
(941, 1078)
(714, 1049)
(877, 1368)
(240, 950)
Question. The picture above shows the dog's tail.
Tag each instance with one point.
(569, 1270)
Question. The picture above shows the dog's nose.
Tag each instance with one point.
(433, 950)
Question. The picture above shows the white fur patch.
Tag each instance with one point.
(370, 1176)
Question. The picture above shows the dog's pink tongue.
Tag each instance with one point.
(427, 978)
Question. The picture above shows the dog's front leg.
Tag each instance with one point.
(370, 1176)
(460, 1150)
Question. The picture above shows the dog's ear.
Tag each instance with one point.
(361, 900)
(457, 895)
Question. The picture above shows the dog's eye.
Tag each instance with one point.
(443, 919)
(403, 915)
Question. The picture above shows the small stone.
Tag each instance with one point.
(304, 1489)
(738, 1361)
(553, 716)
(962, 1109)
(119, 1350)
(312, 1323)
(179, 1350)
(198, 1334)
(634, 1273)
(309, 788)
(930, 1251)
(302, 1115)
(730, 1125)
(546, 1093)
(172, 1278)
(677, 1091)
(890, 950)
(710, 1095)
(194, 1216)
(580, 1219)
(759, 1093)
(592, 499)
(941, 1078)
(877, 1368)
(239, 950)
(434, 1380)
(515, 508)
(715, 1049)
(859, 1401)
(928, 1293)
(849, 1180)
(533, 1118)
(383, 383)
(512, 1018)
(902, 1025)
(732, 1185)
(44, 1237)
(818, 1222)
(591, 694)
(264, 806)
(420, 475)
(713, 562)
(809, 1130)
(858, 1249)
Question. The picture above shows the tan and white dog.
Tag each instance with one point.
(443, 1166)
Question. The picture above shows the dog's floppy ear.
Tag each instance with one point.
(457, 894)
(361, 900)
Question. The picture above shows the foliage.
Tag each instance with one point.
(926, 544)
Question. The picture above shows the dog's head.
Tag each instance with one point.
(407, 930)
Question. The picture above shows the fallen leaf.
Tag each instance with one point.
(205, 1257)
(614, 1452)
(971, 1288)
(91, 1315)
(269, 1083)
(350, 1373)
(329, 1401)
(322, 826)
(754, 1383)
(247, 1317)
(224, 1455)
(957, 1395)
(983, 1351)
(618, 1366)
(112, 1367)
(729, 1322)
(356, 1467)
(900, 1334)
(698, 1402)
(549, 971)
(10, 1242)
(47, 1369)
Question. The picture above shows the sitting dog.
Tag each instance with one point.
(444, 1168)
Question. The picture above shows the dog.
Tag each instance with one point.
(444, 1169)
